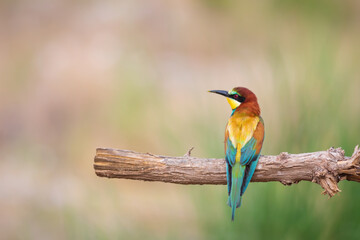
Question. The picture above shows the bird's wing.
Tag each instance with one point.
(230, 151)
(248, 152)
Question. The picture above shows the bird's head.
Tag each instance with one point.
(237, 96)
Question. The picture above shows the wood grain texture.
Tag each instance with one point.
(326, 168)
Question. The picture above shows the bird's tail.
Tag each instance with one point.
(237, 176)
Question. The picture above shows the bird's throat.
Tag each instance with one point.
(233, 103)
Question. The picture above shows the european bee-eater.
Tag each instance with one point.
(244, 136)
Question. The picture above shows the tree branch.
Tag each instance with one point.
(326, 168)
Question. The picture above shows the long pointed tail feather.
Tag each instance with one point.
(248, 174)
(237, 176)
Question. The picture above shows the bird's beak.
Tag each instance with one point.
(233, 103)
(221, 92)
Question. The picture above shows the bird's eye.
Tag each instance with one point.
(238, 98)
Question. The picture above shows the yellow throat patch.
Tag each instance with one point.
(233, 103)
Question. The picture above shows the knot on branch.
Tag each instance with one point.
(328, 181)
(289, 182)
(283, 156)
(335, 153)
(327, 173)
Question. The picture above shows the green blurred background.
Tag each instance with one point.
(76, 75)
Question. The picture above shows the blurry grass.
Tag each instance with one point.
(312, 104)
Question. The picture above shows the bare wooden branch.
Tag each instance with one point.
(326, 168)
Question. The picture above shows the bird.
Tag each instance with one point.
(244, 137)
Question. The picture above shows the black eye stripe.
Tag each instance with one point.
(238, 98)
